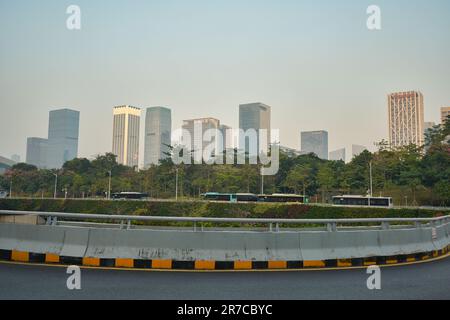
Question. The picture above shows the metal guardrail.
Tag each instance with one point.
(274, 224)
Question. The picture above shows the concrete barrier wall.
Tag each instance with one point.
(220, 246)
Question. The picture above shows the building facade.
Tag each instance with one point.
(126, 126)
(63, 132)
(194, 136)
(158, 135)
(315, 142)
(337, 155)
(227, 137)
(37, 149)
(257, 117)
(445, 113)
(357, 150)
(406, 118)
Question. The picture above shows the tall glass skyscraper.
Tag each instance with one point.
(126, 125)
(315, 142)
(158, 134)
(254, 116)
(63, 131)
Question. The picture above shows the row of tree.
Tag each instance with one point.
(412, 170)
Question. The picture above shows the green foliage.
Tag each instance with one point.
(205, 209)
(421, 174)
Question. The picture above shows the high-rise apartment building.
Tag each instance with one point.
(37, 149)
(406, 118)
(315, 142)
(126, 124)
(337, 155)
(445, 113)
(255, 117)
(63, 131)
(158, 134)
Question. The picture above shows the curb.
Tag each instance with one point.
(48, 258)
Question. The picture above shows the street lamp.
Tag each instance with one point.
(10, 188)
(56, 183)
(109, 185)
(176, 185)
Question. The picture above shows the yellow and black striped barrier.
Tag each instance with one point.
(29, 257)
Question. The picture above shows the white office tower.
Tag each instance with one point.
(126, 135)
(315, 142)
(158, 132)
(357, 150)
(255, 117)
(338, 155)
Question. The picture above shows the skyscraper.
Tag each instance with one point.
(315, 142)
(126, 126)
(158, 132)
(37, 149)
(227, 135)
(357, 150)
(63, 130)
(338, 155)
(406, 118)
(194, 131)
(255, 116)
(445, 112)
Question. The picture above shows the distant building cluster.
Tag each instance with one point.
(61, 144)
(406, 126)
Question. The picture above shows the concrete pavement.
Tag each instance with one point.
(422, 281)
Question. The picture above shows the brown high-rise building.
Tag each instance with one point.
(406, 123)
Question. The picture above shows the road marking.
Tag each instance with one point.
(228, 271)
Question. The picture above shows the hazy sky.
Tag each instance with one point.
(314, 62)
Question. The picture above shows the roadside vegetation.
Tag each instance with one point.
(412, 176)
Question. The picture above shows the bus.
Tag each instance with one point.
(230, 197)
(129, 196)
(361, 201)
(283, 198)
(250, 197)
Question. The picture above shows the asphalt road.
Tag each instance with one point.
(422, 281)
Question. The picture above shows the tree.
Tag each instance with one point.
(299, 178)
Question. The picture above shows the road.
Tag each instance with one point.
(421, 281)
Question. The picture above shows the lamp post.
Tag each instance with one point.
(109, 185)
(56, 184)
(10, 188)
(371, 180)
(176, 185)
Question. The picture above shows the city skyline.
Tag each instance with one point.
(310, 89)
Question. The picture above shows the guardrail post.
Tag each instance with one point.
(121, 224)
(52, 221)
(128, 224)
(385, 225)
(418, 225)
(270, 227)
(195, 226)
(278, 227)
(331, 227)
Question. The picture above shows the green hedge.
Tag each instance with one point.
(205, 209)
